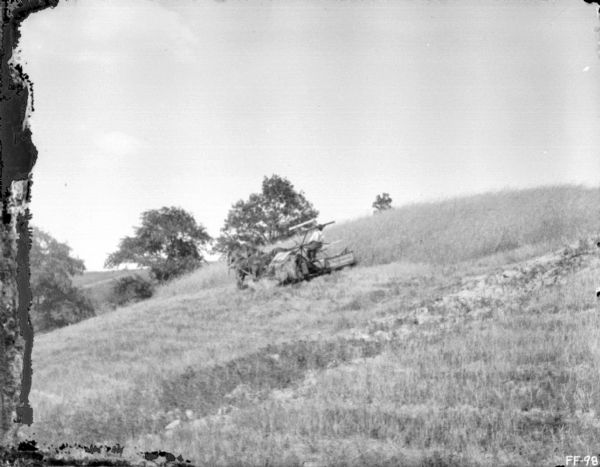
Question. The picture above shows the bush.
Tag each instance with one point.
(130, 289)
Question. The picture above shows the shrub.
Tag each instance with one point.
(130, 289)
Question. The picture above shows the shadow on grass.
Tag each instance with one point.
(274, 367)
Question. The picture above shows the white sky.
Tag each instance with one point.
(141, 104)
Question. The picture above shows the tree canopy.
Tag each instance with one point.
(265, 216)
(168, 242)
(382, 202)
(56, 301)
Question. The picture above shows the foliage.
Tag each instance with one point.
(382, 202)
(265, 216)
(56, 301)
(168, 242)
(130, 289)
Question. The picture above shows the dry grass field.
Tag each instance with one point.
(473, 227)
(466, 337)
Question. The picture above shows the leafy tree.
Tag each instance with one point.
(56, 301)
(382, 202)
(169, 243)
(265, 216)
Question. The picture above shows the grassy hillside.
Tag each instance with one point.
(460, 229)
(215, 274)
(436, 361)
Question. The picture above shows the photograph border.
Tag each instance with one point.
(17, 158)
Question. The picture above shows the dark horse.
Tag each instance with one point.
(247, 260)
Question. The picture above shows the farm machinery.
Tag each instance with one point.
(301, 256)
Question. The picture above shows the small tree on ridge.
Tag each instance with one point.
(382, 202)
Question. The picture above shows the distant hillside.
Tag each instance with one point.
(98, 284)
(95, 278)
(466, 228)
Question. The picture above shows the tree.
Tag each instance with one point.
(382, 202)
(169, 243)
(56, 301)
(265, 216)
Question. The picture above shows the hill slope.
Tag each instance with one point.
(494, 358)
(449, 231)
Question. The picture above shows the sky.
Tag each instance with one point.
(140, 104)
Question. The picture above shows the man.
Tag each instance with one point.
(314, 242)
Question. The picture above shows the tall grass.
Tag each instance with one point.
(210, 276)
(466, 228)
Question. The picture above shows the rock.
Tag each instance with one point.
(174, 424)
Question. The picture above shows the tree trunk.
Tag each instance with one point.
(12, 344)
(17, 157)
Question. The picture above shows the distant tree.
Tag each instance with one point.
(265, 216)
(56, 301)
(382, 202)
(169, 243)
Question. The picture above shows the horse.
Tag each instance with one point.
(247, 260)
